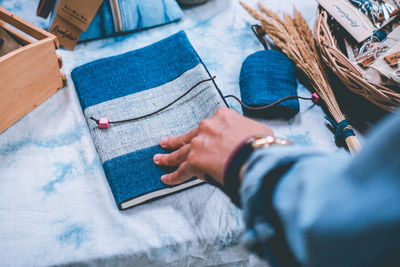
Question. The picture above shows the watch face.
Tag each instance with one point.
(262, 141)
(266, 141)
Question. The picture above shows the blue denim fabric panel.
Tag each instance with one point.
(130, 14)
(172, 11)
(95, 28)
(108, 24)
(135, 71)
(119, 139)
(139, 14)
(267, 76)
(134, 174)
(102, 24)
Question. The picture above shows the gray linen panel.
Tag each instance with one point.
(123, 138)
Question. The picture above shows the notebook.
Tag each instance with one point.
(134, 84)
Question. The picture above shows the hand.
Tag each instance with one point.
(206, 148)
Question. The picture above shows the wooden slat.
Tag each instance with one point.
(60, 62)
(27, 27)
(23, 38)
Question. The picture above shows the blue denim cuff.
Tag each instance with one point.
(264, 233)
(232, 169)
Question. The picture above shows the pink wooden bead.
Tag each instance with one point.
(315, 98)
(104, 123)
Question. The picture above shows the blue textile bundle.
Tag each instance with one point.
(267, 76)
(135, 84)
(135, 15)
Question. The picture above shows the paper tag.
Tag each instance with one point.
(67, 34)
(366, 60)
(356, 23)
(77, 12)
(393, 59)
(382, 66)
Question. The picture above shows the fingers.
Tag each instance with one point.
(178, 141)
(173, 159)
(182, 174)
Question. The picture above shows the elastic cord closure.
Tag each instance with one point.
(104, 122)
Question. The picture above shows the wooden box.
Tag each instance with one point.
(30, 74)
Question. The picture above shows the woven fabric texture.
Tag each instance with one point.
(134, 174)
(135, 84)
(267, 76)
(127, 137)
(134, 71)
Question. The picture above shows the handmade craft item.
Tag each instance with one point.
(70, 19)
(376, 46)
(365, 82)
(128, 91)
(396, 74)
(265, 77)
(393, 59)
(115, 17)
(387, 63)
(120, 16)
(294, 37)
(362, 18)
(377, 10)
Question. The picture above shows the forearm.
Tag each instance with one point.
(330, 210)
(264, 172)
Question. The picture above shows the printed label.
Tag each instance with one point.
(77, 12)
(67, 34)
(356, 23)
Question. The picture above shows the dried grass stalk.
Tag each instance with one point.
(294, 37)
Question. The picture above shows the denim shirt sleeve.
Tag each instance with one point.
(307, 208)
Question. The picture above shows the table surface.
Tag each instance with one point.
(55, 203)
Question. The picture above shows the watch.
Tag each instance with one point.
(233, 168)
(267, 141)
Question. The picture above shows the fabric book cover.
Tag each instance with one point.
(138, 83)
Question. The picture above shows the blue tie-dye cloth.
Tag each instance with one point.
(135, 15)
(56, 206)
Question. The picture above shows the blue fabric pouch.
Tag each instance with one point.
(138, 83)
(133, 15)
(267, 76)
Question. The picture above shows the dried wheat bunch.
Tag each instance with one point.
(294, 37)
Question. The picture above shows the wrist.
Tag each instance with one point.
(236, 164)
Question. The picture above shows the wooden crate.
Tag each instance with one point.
(30, 74)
